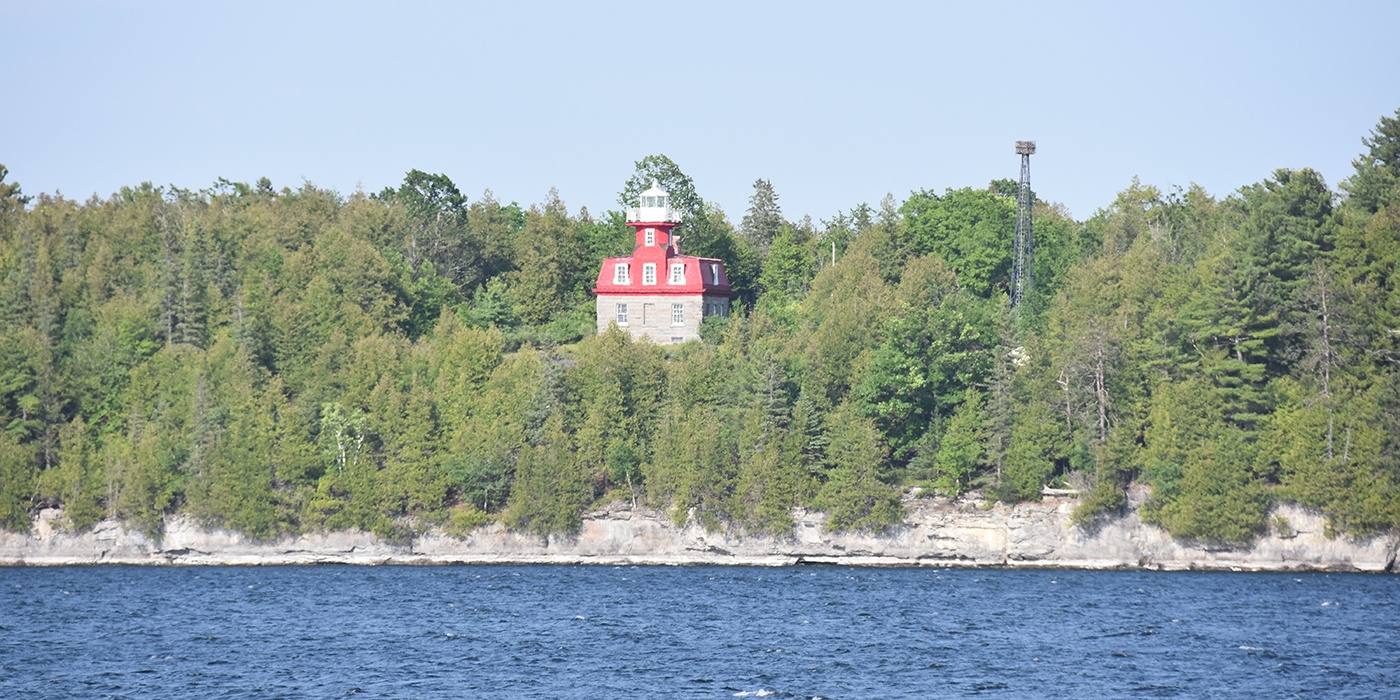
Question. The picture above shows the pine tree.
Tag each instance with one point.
(17, 476)
(963, 450)
(764, 220)
(550, 490)
(1230, 330)
(76, 482)
(854, 496)
(544, 249)
(1200, 466)
(1376, 181)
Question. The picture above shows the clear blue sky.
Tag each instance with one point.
(834, 103)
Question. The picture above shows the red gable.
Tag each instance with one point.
(654, 267)
(657, 271)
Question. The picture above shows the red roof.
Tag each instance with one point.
(670, 273)
(697, 275)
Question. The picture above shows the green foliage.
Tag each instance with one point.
(1035, 446)
(1337, 453)
(76, 480)
(274, 361)
(1199, 465)
(548, 254)
(764, 220)
(465, 518)
(17, 470)
(854, 495)
(788, 270)
(963, 451)
(435, 233)
(1376, 181)
(970, 229)
(550, 490)
(940, 343)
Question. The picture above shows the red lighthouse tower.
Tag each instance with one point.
(656, 292)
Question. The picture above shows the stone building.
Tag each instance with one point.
(656, 292)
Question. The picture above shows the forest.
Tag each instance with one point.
(287, 360)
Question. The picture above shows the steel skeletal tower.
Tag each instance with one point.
(1023, 262)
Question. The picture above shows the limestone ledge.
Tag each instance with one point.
(937, 533)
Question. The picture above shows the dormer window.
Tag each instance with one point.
(677, 273)
(620, 275)
(651, 236)
(649, 273)
(714, 273)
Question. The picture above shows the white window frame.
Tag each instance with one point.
(714, 273)
(648, 273)
(620, 274)
(621, 314)
(650, 236)
(677, 314)
(677, 273)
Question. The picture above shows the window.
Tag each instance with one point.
(649, 273)
(620, 274)
(651, 236)
(621, 314)
(677, 314)
(677, 273)
(676, 339)
(714, 273)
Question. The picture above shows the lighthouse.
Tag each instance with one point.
(656, 292)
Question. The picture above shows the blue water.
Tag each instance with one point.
(701, 632)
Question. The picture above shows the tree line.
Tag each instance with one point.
(279, 361)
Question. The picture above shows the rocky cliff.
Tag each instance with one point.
(937, 533)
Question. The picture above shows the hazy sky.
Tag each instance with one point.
(834, 103)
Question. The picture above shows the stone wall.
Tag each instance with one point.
(650, 316)
(937, 533)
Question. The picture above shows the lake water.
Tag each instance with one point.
(692, 632)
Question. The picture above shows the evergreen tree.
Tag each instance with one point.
(1200, 466)
(764, 220)
(854, 496)
(273, 360)
(17, 472)
(76, 481)
(788, 270)
(1230, 330)
(963, 450)
(550, 491)
(1376, 181)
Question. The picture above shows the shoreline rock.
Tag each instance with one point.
(937, 533)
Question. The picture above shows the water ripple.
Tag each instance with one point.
(702, 632)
